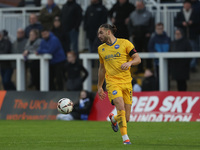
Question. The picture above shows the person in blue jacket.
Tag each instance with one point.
(50, 44)
(159, 42)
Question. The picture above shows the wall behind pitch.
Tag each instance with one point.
(32, 105)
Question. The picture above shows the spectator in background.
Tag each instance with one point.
(141, 25)
(196, 6)
(5, 66)
(50, 44)
(180, 68)
(19, 44)
(23, 3)
(71, 16)
(159, 42)
(136, 86)
(34, 24)
(57, 31)
(74, 71)
(188, 21)
(95, 15)
(81, 109)
(119, 15)
(48, 13)
(149, 82)
(31, 47)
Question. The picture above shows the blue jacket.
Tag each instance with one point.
(159, 43)
(52, 46)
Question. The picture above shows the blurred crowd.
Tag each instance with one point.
(56, 31)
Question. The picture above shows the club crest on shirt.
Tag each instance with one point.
(114, 92)
(116, 46)
(103, 49)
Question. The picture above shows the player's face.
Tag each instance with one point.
(103, 35)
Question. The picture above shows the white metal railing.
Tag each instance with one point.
(87, 58)
(163, 65)
(20, 69)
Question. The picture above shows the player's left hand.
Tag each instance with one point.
(125, 66)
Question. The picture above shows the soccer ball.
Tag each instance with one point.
(65, 106)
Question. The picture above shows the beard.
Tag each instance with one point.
(104, 40)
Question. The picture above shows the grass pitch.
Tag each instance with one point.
(87, 135)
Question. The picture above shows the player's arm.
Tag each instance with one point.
(135, 60)
(101, 77)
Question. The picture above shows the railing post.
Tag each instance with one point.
(20, 70)
(87, 85)
(24, 18)
(44, 74)
(1, 20)
(163, 74)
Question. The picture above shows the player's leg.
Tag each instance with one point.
(127, 96)
(121, 118)
(128, 111)
(113, 92)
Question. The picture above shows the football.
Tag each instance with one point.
(65, 106)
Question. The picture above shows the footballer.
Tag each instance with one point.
(116, 56)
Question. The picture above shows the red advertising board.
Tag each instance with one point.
(154, 107)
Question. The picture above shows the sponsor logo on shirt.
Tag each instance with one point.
(112, 56)
(114, 92)
(116, 46)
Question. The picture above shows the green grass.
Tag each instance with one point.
(82, 135)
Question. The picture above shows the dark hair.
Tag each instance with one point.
(36, 31)
(159, 24)
(181, 31)
(113, 28)
(72, 53)
(45, 29)
(187, 1)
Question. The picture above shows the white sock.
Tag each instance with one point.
(113, 119)
(125, 137)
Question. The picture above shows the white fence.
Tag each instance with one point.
(87, 58)
(20, 69)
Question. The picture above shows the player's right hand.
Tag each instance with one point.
(101, 93)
